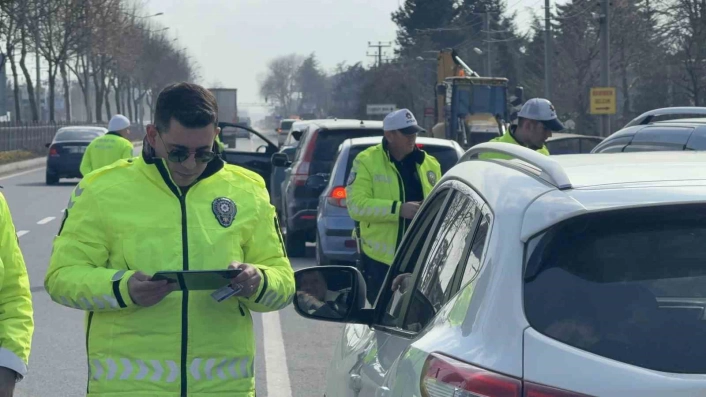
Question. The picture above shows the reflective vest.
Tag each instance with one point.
(16, 321)
(375, 194)
(131, 216)
(508, 138)
(105, 150)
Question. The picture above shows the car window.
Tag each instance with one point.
(564, 146)
(653, 147)
(697, 140)
(285, 125)
(433, 287)
(446, 156)
(77, 135)
(412, 253)
(629, 285)
(675, 116)
(327, 144)
(612, 145)
(306, 132)
(476, 254)
(663, 135)
(588, 144)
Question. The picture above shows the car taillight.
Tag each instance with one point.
(53, 151)
(338, 197)
(419, 145)
(443, 376)
(301, 173)
(446, 377)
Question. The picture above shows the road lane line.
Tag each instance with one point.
(275, 357)
(22, 233)
(23, 173)
(46, 220)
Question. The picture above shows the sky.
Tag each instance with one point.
(233, 40)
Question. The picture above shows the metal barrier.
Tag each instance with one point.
(33, 137)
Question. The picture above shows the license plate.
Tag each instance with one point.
(75, 149)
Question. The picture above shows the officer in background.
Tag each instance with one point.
(109, 148)
(385, 188)
(16, 312)
(177, 207)
(535, 123)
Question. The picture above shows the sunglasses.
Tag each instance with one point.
(181, 154)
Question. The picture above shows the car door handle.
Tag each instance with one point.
(355, 382)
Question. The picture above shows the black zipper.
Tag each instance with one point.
(400, 221)
(185, 266)
(88, 360)
(264, 286)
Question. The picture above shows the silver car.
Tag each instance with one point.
(334, 243)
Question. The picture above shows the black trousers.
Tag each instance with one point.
(374, 273)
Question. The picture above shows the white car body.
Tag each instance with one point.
(490, 330)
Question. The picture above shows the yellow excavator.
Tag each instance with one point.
(470, 109)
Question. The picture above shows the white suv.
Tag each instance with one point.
(537, 276)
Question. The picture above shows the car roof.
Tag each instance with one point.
(374, 140)
(333, 124)
(695, 121)
(82, 127)
(666, 111)
(564, 135)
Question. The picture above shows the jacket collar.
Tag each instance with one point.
(417, 154)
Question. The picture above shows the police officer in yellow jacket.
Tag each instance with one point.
(109, 148)
(536, 121)
(177, 207)
(16, 313)
(386, 186)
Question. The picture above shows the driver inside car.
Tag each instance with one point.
(318, 300)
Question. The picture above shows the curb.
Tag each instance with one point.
(36, 163)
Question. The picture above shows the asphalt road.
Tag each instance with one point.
(292, 352)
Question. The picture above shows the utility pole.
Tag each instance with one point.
(488, 70)
(605, 58)
(36, 55)
(547, 51)
(379, 46)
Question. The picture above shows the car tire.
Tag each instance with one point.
(321, 259)
(295, 243)
(51, 178)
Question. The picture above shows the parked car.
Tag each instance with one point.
(334, 244)
(564, 143)
(667, 114)
(315, 155)
(285, 126)
(279, 173)
(683, 134)
(546, 276)
(66, 151)
(253, 153)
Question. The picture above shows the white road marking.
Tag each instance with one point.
(23, 173)
(275, 358)
(46, 220)
(22, 233)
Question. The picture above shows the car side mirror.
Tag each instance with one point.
(331, 293)
(297, 135)
(47, 145)
(316, 182)
(280, 160)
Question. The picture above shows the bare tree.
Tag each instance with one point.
(281, 80)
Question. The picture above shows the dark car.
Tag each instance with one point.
(673, 135)
(563, 143)
(279, 174)
(315, 155)
(66, 151)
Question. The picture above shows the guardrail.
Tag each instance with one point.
(33, 137)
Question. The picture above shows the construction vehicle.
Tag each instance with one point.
(470, 109)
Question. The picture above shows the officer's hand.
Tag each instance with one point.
(409, 209)
(309, 301)
(8, 378)
(145, 292)
(248, 280)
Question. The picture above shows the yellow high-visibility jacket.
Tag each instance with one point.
(131, 216)
(508, 138)
(105, 150)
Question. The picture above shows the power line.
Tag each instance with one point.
(380, 45)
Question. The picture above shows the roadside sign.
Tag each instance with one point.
(429, 112)
(603, 100)
(380, 110)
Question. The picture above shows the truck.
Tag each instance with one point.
(227, 100)
(470, 109)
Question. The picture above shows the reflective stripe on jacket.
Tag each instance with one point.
(131, 216)
(105, 150)
(375, 194)
(508, 138)
(16, 314)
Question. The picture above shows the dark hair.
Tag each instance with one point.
(190, 104)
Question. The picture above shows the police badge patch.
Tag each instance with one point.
(431, 177)
(224, 209)
(351, 178)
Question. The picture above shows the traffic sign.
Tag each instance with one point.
(603, 100)
(429, 112)
(380, 110)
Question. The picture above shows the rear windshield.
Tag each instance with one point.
(328, 141)
(446, 156)
(285, 125)
(77, 135)
(626, 285)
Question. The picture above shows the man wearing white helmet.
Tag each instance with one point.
(109, 148)
(536, 122)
